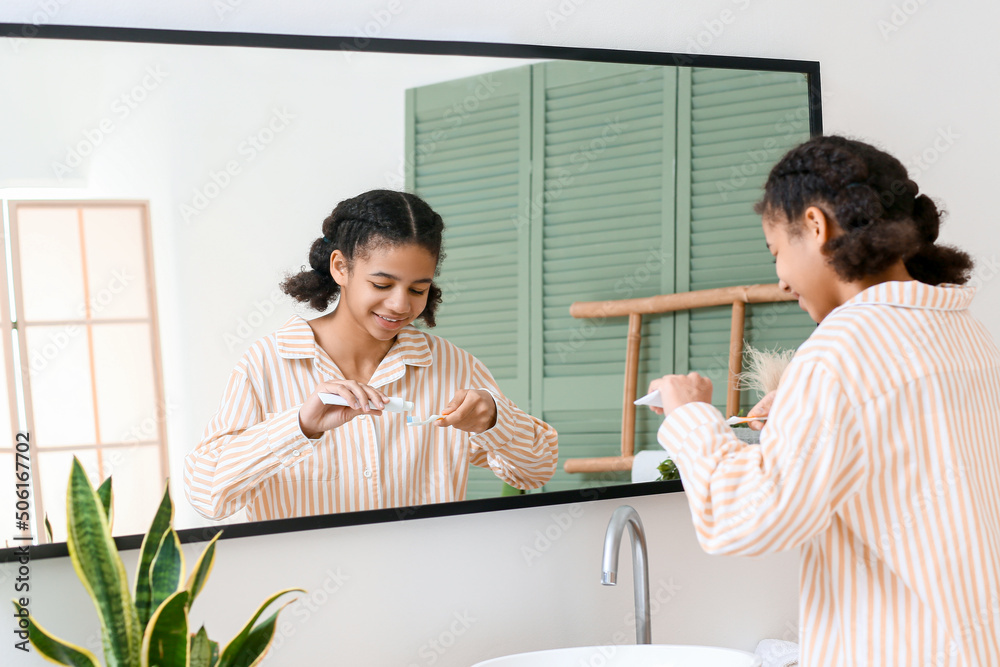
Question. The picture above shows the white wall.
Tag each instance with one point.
(903, 89)
(477, 586)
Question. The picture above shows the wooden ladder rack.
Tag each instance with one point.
(738, 296)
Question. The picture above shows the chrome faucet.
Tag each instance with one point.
(627, 516)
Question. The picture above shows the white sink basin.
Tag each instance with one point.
(631, 655)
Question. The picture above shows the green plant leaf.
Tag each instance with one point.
(508, 490)
(166, 570)
(97, 564)
(48, 529)
(668, 471)
(201, 570)
(56, 650)
(150, 544)
(201, 648)
(258, 641)
(165, 642)
(238, 653)
(104, 493)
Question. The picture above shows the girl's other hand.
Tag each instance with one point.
(762, 408)
(316, 417)
(471, 410)
(678, 390)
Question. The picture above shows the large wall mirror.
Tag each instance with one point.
(158, 185)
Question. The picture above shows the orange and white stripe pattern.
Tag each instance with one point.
(254, 454)
(881, 459)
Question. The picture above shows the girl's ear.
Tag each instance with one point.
(818, 227)
(339, 268)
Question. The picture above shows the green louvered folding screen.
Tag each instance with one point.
(468, 156)
(733, 126)
(602, 229)
(593, 181)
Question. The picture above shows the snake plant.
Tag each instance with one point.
(146, 626)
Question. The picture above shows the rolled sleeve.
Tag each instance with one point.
(754, 499)
(502, 432)
(241, 448)
(692, 430)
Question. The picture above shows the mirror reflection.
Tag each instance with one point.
(157, 195)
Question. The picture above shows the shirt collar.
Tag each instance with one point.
(296, 341)
(914, 294)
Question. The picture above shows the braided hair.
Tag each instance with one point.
(869, 195)
(374, 219)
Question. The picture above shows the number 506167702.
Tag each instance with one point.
(22, 473)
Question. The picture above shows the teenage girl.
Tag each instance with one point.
(879, 457)
(275, 448)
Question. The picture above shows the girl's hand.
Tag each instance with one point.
(678, 390)
(472, 410)
(316, 417)
(761, 409)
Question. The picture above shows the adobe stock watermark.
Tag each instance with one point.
(247, 151)
(434, 648)
(307, 605)
(371, 29)
(754, 504)
(929, 494)
(41, 356)
(916, 344)
(713, 28)
(944, 139)
(899, 16)
(451, 290)
(987, 618)
(123, 106)
(758, 162)
(666, 590)
(625, 287)
(581, 159)
(247, 326)
(544, 538)
(145, 432)
(225, 7)
(46, 12)
(454, 117)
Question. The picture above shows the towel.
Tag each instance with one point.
(777, 653)
(747, 435)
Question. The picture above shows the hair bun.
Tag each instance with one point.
(857, 206)
(927, 218)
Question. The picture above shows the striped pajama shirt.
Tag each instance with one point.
(255, 455)
(881, 461)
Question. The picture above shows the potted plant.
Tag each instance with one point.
(147, 626)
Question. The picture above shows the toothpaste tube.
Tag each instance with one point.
(394, 404)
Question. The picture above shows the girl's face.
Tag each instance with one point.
(386, 289)
(801, 265)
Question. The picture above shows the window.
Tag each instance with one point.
(82, 329)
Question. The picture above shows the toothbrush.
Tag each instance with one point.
(653, 398)
(413, 421)
(394, 404)
(744, 420)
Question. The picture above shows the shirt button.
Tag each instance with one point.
(295, 452)
(368, 473)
